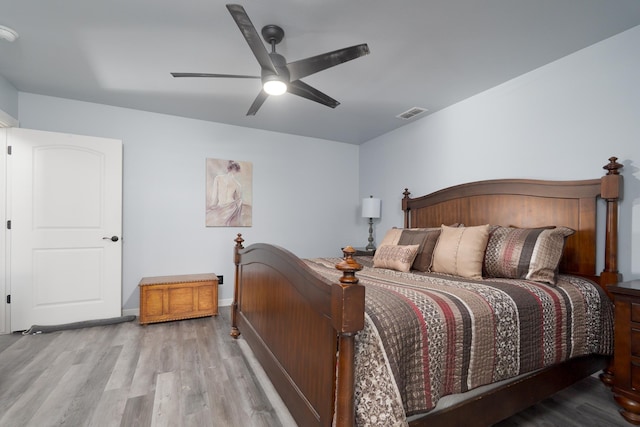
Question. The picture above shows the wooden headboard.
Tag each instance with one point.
(533, 203)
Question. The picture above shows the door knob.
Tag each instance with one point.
(112, 238)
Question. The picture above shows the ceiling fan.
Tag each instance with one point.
(277, 75)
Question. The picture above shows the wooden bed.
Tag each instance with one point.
(302, 328)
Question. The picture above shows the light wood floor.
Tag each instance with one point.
(186, 373)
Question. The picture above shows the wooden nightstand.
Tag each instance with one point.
(362, 252)
(165, 298)
(626, 359)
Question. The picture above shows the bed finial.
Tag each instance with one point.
(405, 207)
(349, 266)
(613, 166)
(239, 241)
(237, 248)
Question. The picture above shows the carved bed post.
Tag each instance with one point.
(235, 332)
(405, 207)
(347, 312)
(611, 191)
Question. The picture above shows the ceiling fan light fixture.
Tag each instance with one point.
(274, 87)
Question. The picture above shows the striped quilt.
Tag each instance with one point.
(427, 336)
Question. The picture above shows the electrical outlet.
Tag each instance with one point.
(220, 280)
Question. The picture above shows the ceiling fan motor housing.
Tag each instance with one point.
(280, 63)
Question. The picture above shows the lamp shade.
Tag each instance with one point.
(371, 207)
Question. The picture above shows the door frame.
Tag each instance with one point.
(6, 121)
(5, 309)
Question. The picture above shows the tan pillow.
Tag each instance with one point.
(460, 251)
(395, 257)
(392, 237)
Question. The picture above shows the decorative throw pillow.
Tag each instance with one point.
(392, 237)
(423, 259)
(460, 251)
(525, 253)
(395, 257)
(426, 239)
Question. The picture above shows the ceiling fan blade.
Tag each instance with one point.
(302, 89)
(257, 103)
(251, 35)
(232, 76)
(306, 67)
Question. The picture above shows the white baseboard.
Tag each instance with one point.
(225, 302)
(136, 311)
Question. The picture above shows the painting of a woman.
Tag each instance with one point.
(228, 200)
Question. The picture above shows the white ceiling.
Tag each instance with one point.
(424, 53)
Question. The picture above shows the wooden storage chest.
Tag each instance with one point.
(165, 298)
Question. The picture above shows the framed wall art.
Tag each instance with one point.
(229, 193)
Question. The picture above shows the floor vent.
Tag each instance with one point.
(411, 113)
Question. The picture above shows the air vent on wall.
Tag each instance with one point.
(411, 113)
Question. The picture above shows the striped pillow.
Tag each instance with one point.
(525, 253)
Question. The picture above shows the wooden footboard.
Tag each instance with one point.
(295, 323)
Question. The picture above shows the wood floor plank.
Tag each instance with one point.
(193, 394)
(8, 340)
(148, 364)
(188, 373)
(90, 392)
(138, 411)
(220, 389)
(13, 387)
(125, 367)
(166, 402)
(109, 411)
(25, 393)
(22, 352)
(55, 405)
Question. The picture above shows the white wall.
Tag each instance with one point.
(8, 98)
(305, 191)
(561, 121)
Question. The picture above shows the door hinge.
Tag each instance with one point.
(8, 149)
(9, 225)
(8, 299)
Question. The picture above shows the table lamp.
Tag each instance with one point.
(370, 209)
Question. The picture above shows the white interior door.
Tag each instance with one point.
(65, 206)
